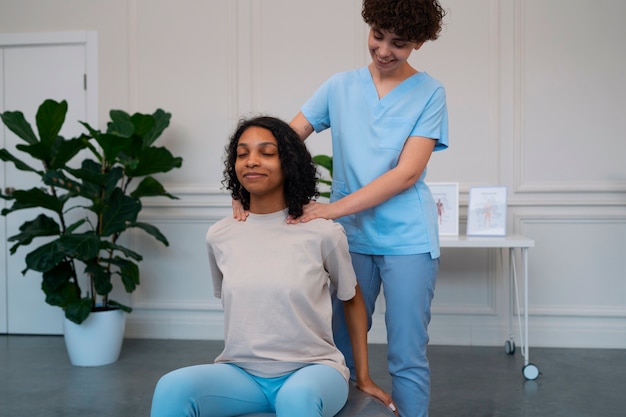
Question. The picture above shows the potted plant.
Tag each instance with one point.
(89, 195)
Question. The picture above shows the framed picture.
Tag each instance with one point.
(486, 211)
(446, 195)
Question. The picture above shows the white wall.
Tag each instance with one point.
(537, 102)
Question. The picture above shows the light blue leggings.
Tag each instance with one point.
(408, 284)
(224, 390)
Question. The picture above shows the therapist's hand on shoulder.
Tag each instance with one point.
(313, 210)
(239, 212)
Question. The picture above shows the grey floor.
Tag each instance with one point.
(36, 379)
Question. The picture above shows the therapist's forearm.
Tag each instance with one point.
(302, 126)
(411, 164)
(376, 192)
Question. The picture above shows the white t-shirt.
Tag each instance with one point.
(275, 281)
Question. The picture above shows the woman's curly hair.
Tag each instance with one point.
(299, 170)
(413, 20)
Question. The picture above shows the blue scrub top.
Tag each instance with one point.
(368, 136)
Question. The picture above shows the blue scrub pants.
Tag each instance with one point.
(408, 283)
(225, 390)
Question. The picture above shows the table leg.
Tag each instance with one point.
(530, 370)
(509, 345)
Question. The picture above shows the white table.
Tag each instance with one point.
(512, 242)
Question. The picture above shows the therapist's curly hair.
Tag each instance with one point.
(412, 20)
(299, 170)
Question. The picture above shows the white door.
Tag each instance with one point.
(54, 66)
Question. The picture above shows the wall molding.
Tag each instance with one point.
(214, 196)
(618, 186)
(607, 312)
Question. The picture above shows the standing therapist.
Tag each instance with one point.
(386, 119)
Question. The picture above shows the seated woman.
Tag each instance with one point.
(275, 280)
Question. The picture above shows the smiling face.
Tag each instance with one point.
(389, 52)
(258, 168)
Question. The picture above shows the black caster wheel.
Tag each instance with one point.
(530, 371)
(509, 347)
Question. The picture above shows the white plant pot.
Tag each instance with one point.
(98, 340)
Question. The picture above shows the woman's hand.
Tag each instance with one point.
(356, 319)
(238, 211)
(314, 210)
(369, 387)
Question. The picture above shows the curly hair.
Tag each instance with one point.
(299, 170)
(413, 20)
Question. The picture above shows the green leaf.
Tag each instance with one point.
(50, 118)
(120, 124)
(100, 276)
(83, 246)
(72, 227)
(94, 181)
(129, 272)
(45, 257)
(79, 310)
(106, 245)
(154, 160)
(40, 151)
(119, 211)
(113, 303)
(92, 131)
(324, 161)
(142, 124)
(22, 166)
(90, 171)
(122, 129)
(161, 122)
(17, 124)
(35, 197)
(64, 151)
(42, 225)
(150, 187)
(54, 279)
(119, 116)
(62, 296)
(93, 134)
(57, 179)
(151, 230)
(112, 145)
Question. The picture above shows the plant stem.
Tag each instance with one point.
(53, 190)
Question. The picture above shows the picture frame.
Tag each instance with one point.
(446, 196)
(486, 211)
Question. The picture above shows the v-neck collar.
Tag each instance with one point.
(371, 95)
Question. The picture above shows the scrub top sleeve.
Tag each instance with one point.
(433, 122)
(316, 108)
